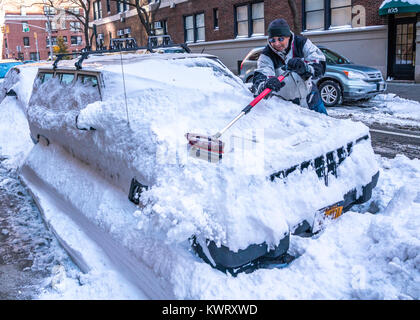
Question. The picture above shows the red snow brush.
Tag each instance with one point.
(211, 148)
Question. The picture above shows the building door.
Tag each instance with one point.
(403, 49)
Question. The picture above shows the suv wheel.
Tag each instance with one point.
(330, 93)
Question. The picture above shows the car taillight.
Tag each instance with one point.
(242, 63)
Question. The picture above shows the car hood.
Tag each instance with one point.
(351, 66)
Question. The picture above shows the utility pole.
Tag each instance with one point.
(36, 44)
(49, 29)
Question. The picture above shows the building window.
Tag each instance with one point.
(340, 13)
(26, 41)
(326, 14)
(25, 26)
(120, 6)
(49, 11)
(216, 18)
(249, 20)
(76, 40)
(74, 10)
(194, 28)
(53, 25)
(53, 41)
(108, 5)
(34, 56)
(159, 27)
(75, 26)
(314, 14)
(97, 10)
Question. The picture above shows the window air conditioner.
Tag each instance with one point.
(120, 32)
(127, 31)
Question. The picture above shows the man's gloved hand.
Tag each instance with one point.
(274, 84)
(299, 66)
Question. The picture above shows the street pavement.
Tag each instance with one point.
(405, 90)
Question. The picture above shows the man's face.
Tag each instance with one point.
(279, 43)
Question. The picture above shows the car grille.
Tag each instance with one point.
(374, 77)
(323, 165)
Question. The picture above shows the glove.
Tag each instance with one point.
(299, 66)
(274, 84)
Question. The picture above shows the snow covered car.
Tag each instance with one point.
(123, 117)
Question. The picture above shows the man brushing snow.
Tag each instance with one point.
(301, 56)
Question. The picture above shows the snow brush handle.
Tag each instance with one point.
(261, 96)
(249, 107)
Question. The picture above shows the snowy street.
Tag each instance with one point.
(393, 123)
(371, 251)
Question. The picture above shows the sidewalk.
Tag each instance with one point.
(405, 90)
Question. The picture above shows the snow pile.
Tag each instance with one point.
(15, 141)
(383, 108)
(398, 107)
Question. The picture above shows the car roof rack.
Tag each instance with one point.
(122, 45)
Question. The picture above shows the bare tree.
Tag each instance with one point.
(82, 14)
(293, 9)
(146, 11)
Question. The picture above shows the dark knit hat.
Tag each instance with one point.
(278, 28)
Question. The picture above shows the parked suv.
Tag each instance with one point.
(343, 80)
(297, 168)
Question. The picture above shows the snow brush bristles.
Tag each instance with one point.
(205, 147)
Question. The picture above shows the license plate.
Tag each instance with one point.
(324, 215)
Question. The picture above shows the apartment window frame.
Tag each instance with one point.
(249, 20)
(108, 6)
(163, 30)
(53, 41)
(49, 11)
(216, 18)
(121, 6)
(328, 15)
(27, 44)
(77, 42)
(97, 10)
(195, 28)
(331, 9)
(75, 26)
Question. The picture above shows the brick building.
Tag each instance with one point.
(385, 39)
(24, 25)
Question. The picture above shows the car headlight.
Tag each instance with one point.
(355, 75)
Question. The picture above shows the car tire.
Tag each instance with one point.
(331, 93)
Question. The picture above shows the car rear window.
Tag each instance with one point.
(88, 79)
(45, 76)
(66, 78)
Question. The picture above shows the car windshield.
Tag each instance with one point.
(334, 58)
